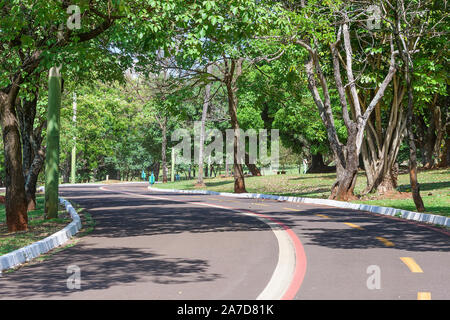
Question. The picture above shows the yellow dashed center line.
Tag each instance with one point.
(411, 264)
(423, 295)
(322, 216)
(260, 204)
(354, 225)
(291, 209)
(385, 241)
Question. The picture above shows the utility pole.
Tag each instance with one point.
(172, 176)
(73, 167)
(52, 156)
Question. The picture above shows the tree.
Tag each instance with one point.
(411, 21)
(28, 33)
(325, 32)
(223, 35)
(277, 97)
(206, 102)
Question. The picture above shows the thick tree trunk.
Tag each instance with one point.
(346, 176)
(387, 180)
(380, 154)
(33, 152)
(318, 166)
(15, 204)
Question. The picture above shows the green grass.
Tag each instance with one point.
(435, 188)
(38, 228)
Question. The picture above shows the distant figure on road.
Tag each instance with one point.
(151, 180)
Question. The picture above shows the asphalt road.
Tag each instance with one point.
(158, 245)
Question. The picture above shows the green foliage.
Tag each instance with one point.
(109, 132)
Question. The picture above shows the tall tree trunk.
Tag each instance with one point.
(379, 155)
(415, 187)
(404, 44)
(206, 101)
(26, 112)
(15, 202)
(230, 82)
(33, 152)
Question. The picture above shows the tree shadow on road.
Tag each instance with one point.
(121, 216)
(405, 235)
(153, 216)
(101, 269)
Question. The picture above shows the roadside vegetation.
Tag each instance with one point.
(39, 228)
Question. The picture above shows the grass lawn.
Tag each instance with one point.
(435, 188)
(38, 228)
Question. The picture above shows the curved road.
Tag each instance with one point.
(158, 245)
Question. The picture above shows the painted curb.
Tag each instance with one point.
(25, 254)
(408, 215)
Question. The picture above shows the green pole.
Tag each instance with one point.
(52, 153)
(73, 166)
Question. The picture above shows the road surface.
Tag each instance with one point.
(160, 245)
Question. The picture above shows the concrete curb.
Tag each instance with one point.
(408, 215)
(25, 254)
